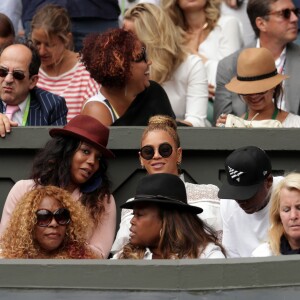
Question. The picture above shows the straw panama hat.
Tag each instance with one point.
(256, 72)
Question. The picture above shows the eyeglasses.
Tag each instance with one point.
(142, 56)
(286, 13)
(165, 150)
(19, 75)
(44, 217)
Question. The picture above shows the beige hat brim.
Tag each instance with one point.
(255, 86)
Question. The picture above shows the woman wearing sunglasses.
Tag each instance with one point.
(47, 223)
(118, 61)
(75, 159)
(165, 226)
(260, 86)
(181, 74)
(161, 153)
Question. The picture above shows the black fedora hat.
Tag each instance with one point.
(88, 129)
(165, 190)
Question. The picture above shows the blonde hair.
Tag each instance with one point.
(289, 182)
(18, 239)
(164, 40)
(55, 21)
(165, 123)
(212, 12)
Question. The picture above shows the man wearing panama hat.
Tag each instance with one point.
(275, 25)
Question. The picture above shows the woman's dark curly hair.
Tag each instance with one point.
(52, 165)
(108, 56)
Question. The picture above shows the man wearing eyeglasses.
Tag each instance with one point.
(21, 102)
(275, 23)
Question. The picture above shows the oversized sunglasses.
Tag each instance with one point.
(19, 75)
(165, 150)
(44, 217)
(142, 56)
(286, 13)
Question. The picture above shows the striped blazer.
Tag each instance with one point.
(45, 109)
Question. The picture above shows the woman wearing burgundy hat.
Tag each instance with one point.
(74, 159)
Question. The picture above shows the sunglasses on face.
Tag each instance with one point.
(165, 150)
(19, 75)
(286, 13)
(44, 217)
(142, 56)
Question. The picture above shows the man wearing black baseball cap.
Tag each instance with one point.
(245, 199)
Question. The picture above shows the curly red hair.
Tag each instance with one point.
(108, 56)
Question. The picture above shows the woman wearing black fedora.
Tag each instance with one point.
(164, 225)
(75, 160)
(161, 152)
(260, 85)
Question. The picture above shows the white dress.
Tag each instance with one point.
(187, 91)
(222, 41)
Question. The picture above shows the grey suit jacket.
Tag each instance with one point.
(228, 102)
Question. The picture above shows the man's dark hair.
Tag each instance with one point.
(258, 8)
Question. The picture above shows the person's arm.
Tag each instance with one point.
(5, 125)
(223, 97)
(122, 237)
(103, 234)
(196, 94)
(59, 115)
(227, 241)
(99, 111)
(14, 196)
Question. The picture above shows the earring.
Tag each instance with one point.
(160, 233)
(143, 167)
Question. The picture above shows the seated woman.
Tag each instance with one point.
(284, 232)
(260, 86)
(161, 153)
(164, 226)
(118, 61)
(182, 75)
(61, 71)
(47, 223)
(75, 160)
(207, 33)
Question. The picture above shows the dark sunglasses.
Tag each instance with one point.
(165, 150)
(44, 217)
(142, 56)
(286, 13)
(254, 94)
(19, 75)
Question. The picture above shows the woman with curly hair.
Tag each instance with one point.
(47, 223)
(207, 33)
(164, 226)
(284, 232)
(161, 152)
(75, 160)
(118, 61)
(182, 75)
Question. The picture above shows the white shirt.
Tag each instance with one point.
(243, 232)
(187, 91)
(223, 40)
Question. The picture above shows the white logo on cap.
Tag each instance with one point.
(234, 174)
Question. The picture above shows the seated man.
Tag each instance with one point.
(21, 102)
(245, 199)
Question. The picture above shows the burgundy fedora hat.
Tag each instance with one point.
(88, 129)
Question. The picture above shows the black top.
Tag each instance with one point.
(152, 101)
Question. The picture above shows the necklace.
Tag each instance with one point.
(274, 115)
